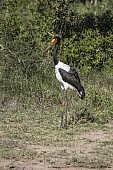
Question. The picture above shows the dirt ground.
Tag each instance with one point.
(58, 157)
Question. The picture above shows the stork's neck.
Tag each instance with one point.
(55, 52)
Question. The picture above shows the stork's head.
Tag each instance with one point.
(57, 33)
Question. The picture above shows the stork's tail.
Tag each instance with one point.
(82, 92)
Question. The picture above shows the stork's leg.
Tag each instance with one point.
(66, 111)
(63, 97)
(63, 103)
(62, 120)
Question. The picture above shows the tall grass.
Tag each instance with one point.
(42, 90)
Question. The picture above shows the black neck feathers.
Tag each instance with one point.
(55, 52)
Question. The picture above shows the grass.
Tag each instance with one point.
(23, 131)
(87, 162)
(30, 126)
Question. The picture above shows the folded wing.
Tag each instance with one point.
(73, 79)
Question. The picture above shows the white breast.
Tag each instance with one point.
(63, 66)
(58, 76)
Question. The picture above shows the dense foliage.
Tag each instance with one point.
(87, 36)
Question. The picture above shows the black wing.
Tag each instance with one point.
(74, 74)
(73, 79)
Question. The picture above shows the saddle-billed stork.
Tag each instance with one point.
(69, 79)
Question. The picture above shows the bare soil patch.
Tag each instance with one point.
(81, 153)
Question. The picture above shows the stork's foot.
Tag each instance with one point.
(64, 125)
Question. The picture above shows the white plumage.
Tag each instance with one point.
(64, 85)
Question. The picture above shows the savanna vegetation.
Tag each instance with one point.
(27, 75)
(30, 95)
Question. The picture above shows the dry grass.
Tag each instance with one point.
(34, 136)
